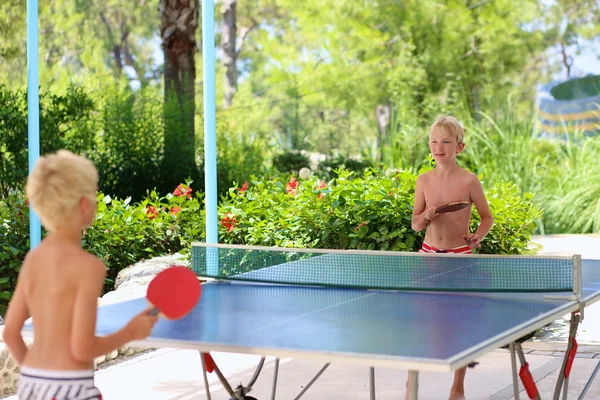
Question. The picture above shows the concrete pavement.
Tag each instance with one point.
(176, 374)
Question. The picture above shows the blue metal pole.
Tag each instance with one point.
(33, 109)
(210, 140)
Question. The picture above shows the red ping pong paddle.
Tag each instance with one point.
(451, 207)
(173, 292)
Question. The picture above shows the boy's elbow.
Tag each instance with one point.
(10, 335)
(415, 227)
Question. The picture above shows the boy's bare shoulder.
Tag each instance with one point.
(469, 176)
(84, 264)
(425, 176)
(90, 263)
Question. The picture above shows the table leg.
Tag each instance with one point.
(413, 383)
(275, 373)
(513, 361)
(563, 377)
(312, 381)
(372, 383)
(203, 362)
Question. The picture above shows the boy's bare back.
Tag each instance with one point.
(61, 285)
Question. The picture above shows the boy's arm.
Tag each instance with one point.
(16, 315)
(86, 346)
(419, 222)
(478, 197)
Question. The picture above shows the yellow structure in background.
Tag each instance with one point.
(569, 107)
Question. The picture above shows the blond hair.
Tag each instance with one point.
(57, 184)
(450, 125)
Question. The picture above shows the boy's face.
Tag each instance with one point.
(443, 146)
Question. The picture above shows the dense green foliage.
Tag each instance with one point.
(348, 212)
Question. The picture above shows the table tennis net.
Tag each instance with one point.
(383, 270)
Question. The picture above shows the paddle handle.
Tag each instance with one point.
(154, 311)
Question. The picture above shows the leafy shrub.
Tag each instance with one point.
(123, 232)
(64, 123)
(370, 212)
(239, 156)
(14, 242)
(328, 167)
(515, 220)
(129, 148)
(290, 162)
(349, 212)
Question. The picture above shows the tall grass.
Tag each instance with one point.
(572, 193)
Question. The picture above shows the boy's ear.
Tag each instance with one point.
(84, 204)
(460, 147)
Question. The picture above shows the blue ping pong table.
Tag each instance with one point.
(410, 311)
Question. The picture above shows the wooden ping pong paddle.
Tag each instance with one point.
(451, 207)
(173, 292)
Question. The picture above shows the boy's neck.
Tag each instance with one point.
(69, 235)
(446, 169)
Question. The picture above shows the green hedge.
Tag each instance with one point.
(123, 232)
(372, 211)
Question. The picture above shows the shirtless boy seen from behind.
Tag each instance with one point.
(448, 183)
(59, 285)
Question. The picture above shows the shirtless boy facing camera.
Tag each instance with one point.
(448, 183)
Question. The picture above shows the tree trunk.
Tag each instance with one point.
(382, 114)
(228, 44)
(178, 23)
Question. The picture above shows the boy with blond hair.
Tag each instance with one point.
(58, 287)
(448, 183)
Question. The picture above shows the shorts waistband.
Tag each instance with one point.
(427, 248)
(55, 373)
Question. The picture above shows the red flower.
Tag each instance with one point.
(152, 212)
(181, 191)
(244, 187)
(228, 221)
(292, 186)
(322, 185)
(175, 210)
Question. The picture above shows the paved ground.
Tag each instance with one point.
(169, 374)
(175, 374)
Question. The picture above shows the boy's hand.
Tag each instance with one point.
(472, 240)
(430, 214)
(141, 325)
